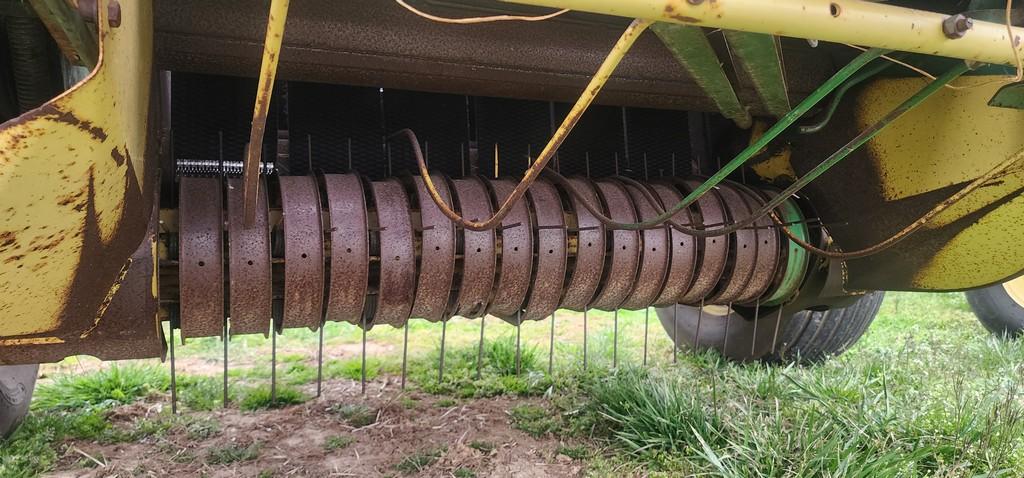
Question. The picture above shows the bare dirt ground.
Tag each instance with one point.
(470, 438)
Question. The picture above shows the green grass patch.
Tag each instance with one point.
(337, 442)
(534, 419)
(233, 453)
(355, 414)
(261, 399)
(484, 447)
(420, 460)
(464, 473)
(113, 385)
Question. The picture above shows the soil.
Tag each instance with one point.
(291, 441)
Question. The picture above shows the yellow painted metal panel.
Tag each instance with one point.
(72, 183)
(844, 21)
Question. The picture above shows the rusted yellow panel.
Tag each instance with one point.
(947, 141)
(72, 184)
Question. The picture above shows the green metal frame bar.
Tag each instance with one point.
(70, 32)
(759, 56)
(691, 48)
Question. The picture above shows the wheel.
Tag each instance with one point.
(16, 385)
(1000, 308)
(807, 336)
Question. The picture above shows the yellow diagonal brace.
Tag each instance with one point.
(268, 70)
(857, 22)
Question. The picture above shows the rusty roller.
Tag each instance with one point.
(382, 252)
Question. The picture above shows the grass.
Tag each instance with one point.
(233, 453)
(927, 392)
(420, 460)
(337, 442)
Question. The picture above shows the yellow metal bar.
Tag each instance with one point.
(843, 21)
(268, 70)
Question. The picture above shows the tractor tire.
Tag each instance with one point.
(17, 383)
(807, 336)
(1000, 308)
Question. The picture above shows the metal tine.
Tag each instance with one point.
(444, 333)
(362, 368)
(647, 326)
(615, 339)
(174, 379)
(753, 339)
(551, 345)
(350, 155)
(675, 334)
(775, 335)
(585, 310)
(480, 350)
(647, 311)
(388, 146)
(696, 333)
(728, 320)
(224, 403)
(320, 362)
(519, 330)
(273, 364)
(405, 352)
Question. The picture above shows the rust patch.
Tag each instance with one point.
(51, 112)
(119, 158)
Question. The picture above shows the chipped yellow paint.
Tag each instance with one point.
(949, 140)
(31, 341)
(777, 166)
(87, 141)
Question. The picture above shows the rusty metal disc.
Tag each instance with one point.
(397, 254)
(350, 250)
(516, 255)
(437, 257)
(589, 260)
(249, 270)
(744, 250)
(549, 277)
(713, 251)
(624, 257)
(478, 250)
(768, 248)
(303, 252)
(683, 258)
(200, 257)
(654, 256)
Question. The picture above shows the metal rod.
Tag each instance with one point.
(696, 333)
(268, 70)
(585, 310)
(350, 155)
(519, 330)
(615, 339)
(320, 362)
(728, 320)
(405, 352)
(675, 334)
(753, 340)
(174, 376)
(224, 403)
(440, 369)
(273, 365)
(850, 21)
(775, 335)
(480, 350)
(362, 368)
(551, 345)
(647, 326)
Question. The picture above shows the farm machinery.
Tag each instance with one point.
(755, 171)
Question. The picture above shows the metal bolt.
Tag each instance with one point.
(114, 13)
(695, 2)
(956, 26)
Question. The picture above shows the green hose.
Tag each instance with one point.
(834, 82)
